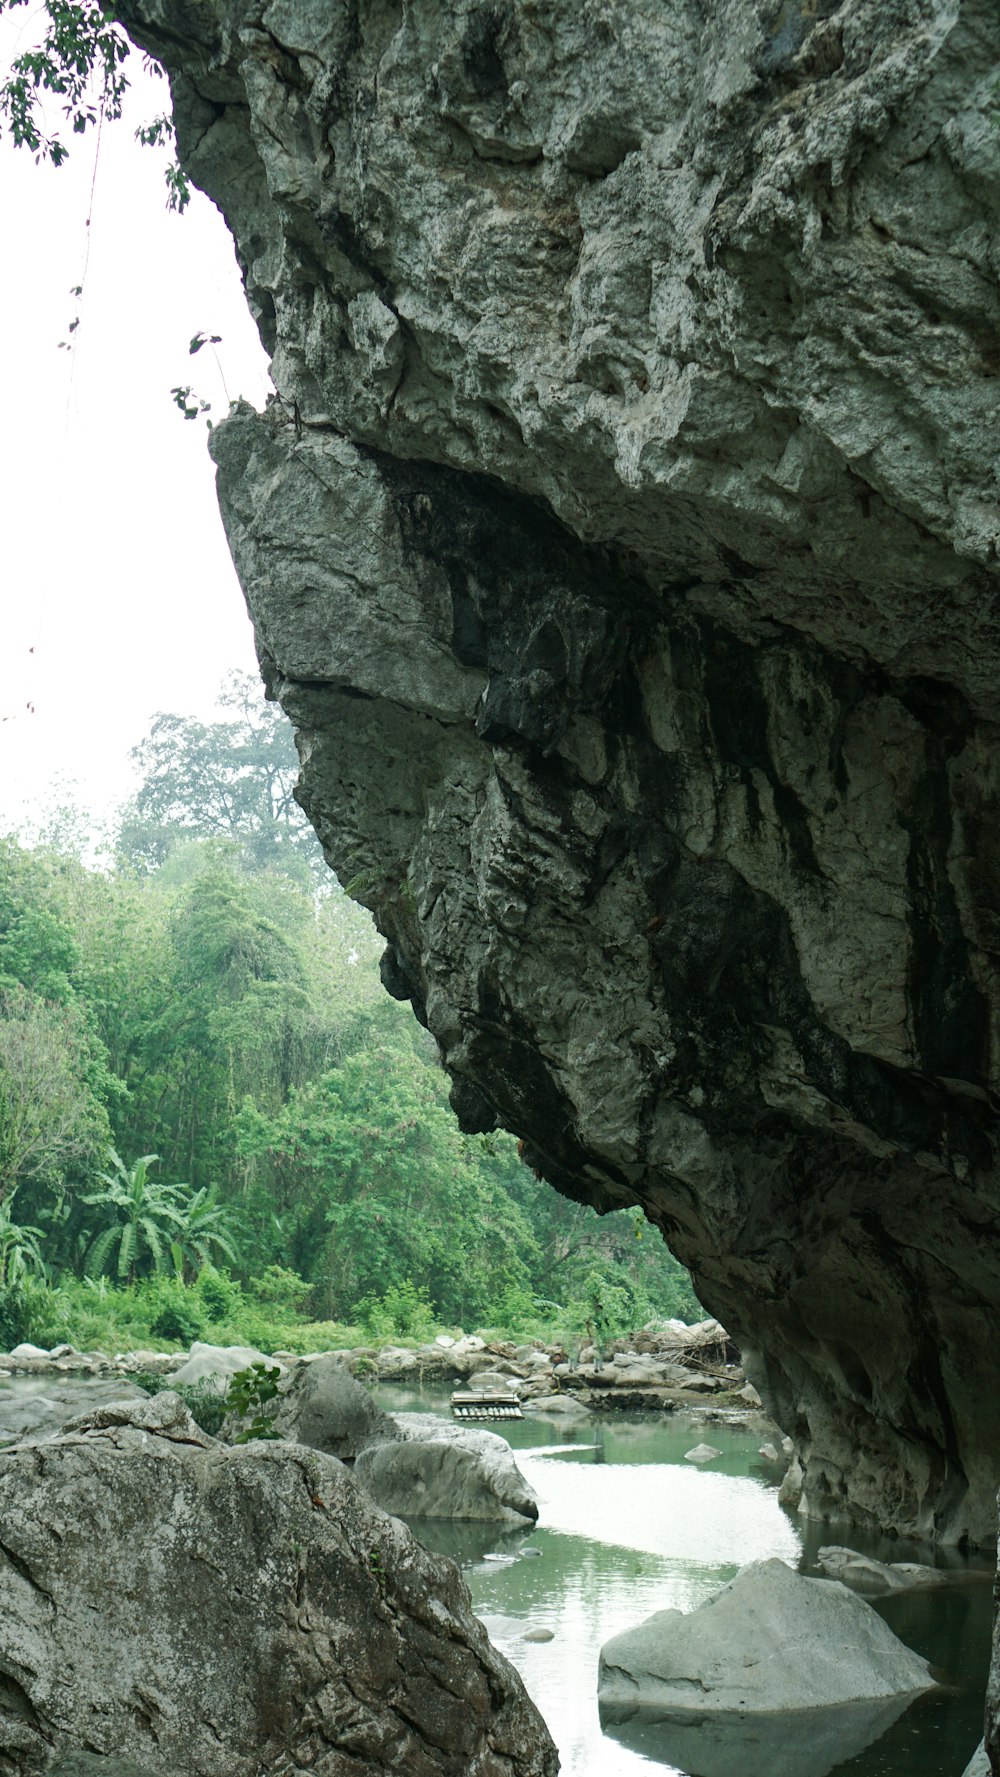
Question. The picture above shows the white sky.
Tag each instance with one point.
(117, 595)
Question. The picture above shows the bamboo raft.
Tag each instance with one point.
(466, 1404)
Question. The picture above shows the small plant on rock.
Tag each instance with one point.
(250, 1391)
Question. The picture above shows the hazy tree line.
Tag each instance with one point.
(203, 1083)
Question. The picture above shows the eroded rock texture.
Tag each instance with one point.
(188, 1608)
(623, 545)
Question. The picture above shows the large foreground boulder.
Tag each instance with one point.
(770, 1642)
(234, 1612)
(440, 1470)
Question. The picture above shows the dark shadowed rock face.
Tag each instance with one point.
(622, 544)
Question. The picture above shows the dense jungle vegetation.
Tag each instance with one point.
(215, 1123)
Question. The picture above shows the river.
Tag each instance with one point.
(627, 1527)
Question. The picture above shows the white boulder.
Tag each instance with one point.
(218, 1364)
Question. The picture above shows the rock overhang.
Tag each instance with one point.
(620, 546)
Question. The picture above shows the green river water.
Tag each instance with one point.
(627, 1527)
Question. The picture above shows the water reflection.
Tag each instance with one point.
(799, 1743)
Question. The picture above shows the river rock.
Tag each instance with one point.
(702, 1453)
(770, 1641)
(441, 1470)
(215, 1611)
(979, 1764)
(325, 1408)
(41, 1415)
(565, 1407)
(216, 1365)
(875, 1578)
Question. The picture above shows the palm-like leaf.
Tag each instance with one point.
(140, 1215)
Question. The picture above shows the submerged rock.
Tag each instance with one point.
(219, 1612)
(769, 1642)
(808, 1743)
(439, 1470)
(875, 1578)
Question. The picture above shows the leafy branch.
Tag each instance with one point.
(80, 60)
(159, 133)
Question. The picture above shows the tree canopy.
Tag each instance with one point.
(199, 1068)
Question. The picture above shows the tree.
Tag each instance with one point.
(374, 1187)
(79, 60)
(141, 1216)
(230, 781)
(49, 1118)
(20, 1252)
(204, 1231)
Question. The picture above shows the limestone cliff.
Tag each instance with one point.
(623, 545)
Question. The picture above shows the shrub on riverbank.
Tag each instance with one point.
(166, 1314)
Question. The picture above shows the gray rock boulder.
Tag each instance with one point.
(702, 1453)
(564, 1407)
(771, 1641)
(188, 1607)
(439, 1470)
(24, 1415)
(325, 1408)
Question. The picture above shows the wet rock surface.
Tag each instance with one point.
(182, 1606)
(622, 544)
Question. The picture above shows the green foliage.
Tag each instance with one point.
(15, 1316)
(220, 1296)
(203, 1002)
(177, 1315)
(159, 132)
(79, 60)
(20, 1251)
(136, 1217)
(204, 1229)
(402, 1312)
(250, 1392)
(205, 1404)
(281, 1289)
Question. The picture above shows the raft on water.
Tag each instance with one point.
(469, 1405)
